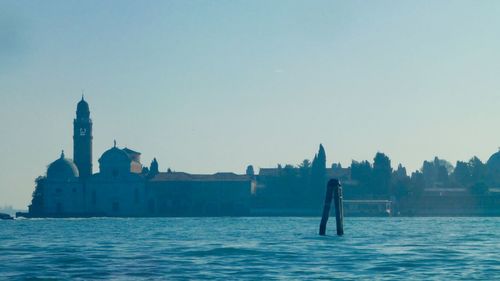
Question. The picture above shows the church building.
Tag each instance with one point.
(124, 188)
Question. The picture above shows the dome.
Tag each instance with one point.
(62, 169)
(82, 109)
(114, 155)
(114, 162)
(494, 161)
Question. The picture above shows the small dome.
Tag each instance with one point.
(62, 169)
(82, 109)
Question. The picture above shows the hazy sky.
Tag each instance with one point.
(210, 86)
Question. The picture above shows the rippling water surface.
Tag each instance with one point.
(250, 248)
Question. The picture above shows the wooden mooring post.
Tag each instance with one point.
(333, 191)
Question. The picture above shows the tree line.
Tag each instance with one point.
(304, 184)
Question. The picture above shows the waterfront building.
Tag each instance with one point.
(123, 187)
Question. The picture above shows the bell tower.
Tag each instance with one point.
(82, 139)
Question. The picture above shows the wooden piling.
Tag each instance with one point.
(333, 189)
(339, 209)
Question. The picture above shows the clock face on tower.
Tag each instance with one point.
(83, 131)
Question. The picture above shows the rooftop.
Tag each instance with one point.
(130, 151)
(180, 176)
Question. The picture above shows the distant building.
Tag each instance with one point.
(287, 191)
(368, 208)
(182, 194)
(122, 187)
(437, 201)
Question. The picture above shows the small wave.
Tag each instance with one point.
(225, 251)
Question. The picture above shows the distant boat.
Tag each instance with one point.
(5, 217)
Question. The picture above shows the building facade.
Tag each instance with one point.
(124, 188)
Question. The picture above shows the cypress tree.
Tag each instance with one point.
(250, 171)
(153, 168)
(382, 172)
(318, 174)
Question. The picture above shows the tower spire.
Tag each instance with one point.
(82, 139)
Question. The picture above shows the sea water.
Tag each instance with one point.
(250, 249)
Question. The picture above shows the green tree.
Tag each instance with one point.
(400, 187)
(478, 170)
(336, 166)
(461, 175)
(382, 172)
(37, 206)
(153, 168)
(305, 170)
(417, 184)
(436, 172)
(400, 183)
(442, 176)
(305, 164)
(428, 174)
(361, 174)
(318, 174)
(361, 171)
(400, 172)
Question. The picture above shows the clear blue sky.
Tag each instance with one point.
(210, 86)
